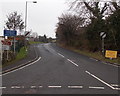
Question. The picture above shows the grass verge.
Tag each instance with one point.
(21, 55)
(34, 42)
(96, 55)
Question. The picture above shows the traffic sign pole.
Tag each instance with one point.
(14, 45)
(103, 49)
(103, 35)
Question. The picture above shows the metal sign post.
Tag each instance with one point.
(14, 45)
(11, 33)
(103, 35)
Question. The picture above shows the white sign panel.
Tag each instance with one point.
(5, 47)
(101, 34)
(1, 44)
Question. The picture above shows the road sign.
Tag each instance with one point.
(111, 54)
(5, 42)
(10, 33)
(27, 33)
(103, 34)
(5, 47)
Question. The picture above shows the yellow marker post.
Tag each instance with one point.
(110, 54)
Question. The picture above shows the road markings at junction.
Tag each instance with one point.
(75, 87)
(61, 55)
(2, 87)
(91, 87)
(72, 62)
(15, 87)
(117, 88)
(33, 87)
(116, 85)
(21, 67)
(100, 80)
(54, 86)
(40, 86)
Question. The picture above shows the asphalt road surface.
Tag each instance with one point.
(60, 71)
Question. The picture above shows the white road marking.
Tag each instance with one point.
(93, 59)
(100, 80)
(72, 62)
(109, 64)
(54, 86)
(91, 87)
(33, 87)
(115, 85)
(15, 87)
(3, 87)
(21, 67)
(61, 55)
(75, 86)
(40, 86)
(117, 88)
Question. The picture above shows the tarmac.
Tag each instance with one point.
(31, 57)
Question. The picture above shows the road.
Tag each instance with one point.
(60, 71)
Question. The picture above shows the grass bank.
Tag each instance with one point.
(20, 55)
(34, 42)
(96, 55)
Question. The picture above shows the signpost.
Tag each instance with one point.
(5, 42)
(103, 35)
(1, 52)
(11, 33)
(27, 33)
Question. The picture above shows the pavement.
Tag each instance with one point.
(61, 71)
(29, 58)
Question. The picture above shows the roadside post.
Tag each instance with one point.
(6, 46)
(1, 52)
(26, 34)
(11, 33)
(103, 35)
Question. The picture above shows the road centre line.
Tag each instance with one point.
(75, 86)
(33, 87)
(100, 80)
(15, 87)
(21, 67)
(40, 86)
(72, 62)
(91, 87)
(54, 86)
(61, 55)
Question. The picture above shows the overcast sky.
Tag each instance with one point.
(42, 16)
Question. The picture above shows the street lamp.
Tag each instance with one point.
(26, 18)
(26, 13)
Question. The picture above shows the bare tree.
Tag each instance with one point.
(67, 28)
(14, 22)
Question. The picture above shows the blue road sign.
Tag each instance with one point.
(10, 33)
